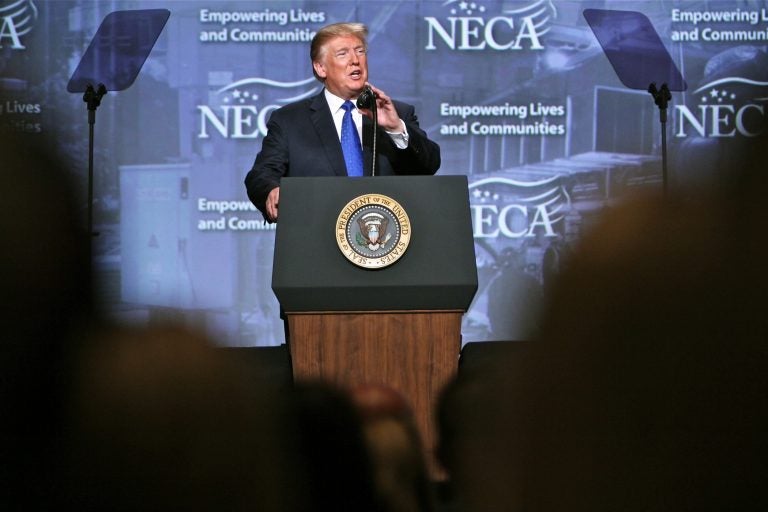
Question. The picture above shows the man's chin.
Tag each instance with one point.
(356, 89)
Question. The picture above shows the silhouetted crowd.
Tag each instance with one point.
(646, 390)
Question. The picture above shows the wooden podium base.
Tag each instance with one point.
(414, 352)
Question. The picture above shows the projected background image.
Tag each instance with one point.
(519, 95)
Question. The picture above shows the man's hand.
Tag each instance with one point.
(272, 201)
(385, 110)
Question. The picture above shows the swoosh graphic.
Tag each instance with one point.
(729, 79)
(514, 183)
(301, 96)
(553, 201)
(265, 81)
(528, 8)
(24, 15)
(22, 23)
(542, 196)
(12, 6)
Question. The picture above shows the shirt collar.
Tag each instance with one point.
(335, 102)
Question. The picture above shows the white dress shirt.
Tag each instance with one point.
(335, 103)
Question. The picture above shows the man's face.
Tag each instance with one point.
(343, 64)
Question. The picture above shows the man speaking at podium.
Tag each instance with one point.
(320, 136)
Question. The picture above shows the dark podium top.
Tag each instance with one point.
(437, 271)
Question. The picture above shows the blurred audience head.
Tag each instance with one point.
(474, 437)
(45, 280)
(332, 443)
(399, 468)
(646, 388)
(45, 289)
(159, 419)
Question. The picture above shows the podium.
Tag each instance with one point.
(399, 325)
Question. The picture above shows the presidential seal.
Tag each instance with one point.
(373, 231)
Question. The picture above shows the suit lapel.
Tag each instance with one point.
(320, 116)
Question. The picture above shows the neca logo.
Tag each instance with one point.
(723, 111)
(238, 115)
(508, 208)
(469, 27)
(18, 18)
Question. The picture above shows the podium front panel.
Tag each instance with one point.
(436, 272)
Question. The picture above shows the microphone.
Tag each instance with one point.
(367, 100)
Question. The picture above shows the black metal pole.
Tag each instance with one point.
(661, 97)
(664, 175)
(367, 100)
(373, 142)
(92, 97)
(91, 122)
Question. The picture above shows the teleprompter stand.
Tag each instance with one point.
(639, 58)
(112, 62)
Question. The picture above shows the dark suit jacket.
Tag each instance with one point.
(302, 141)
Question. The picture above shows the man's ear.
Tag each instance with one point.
(319, 69)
